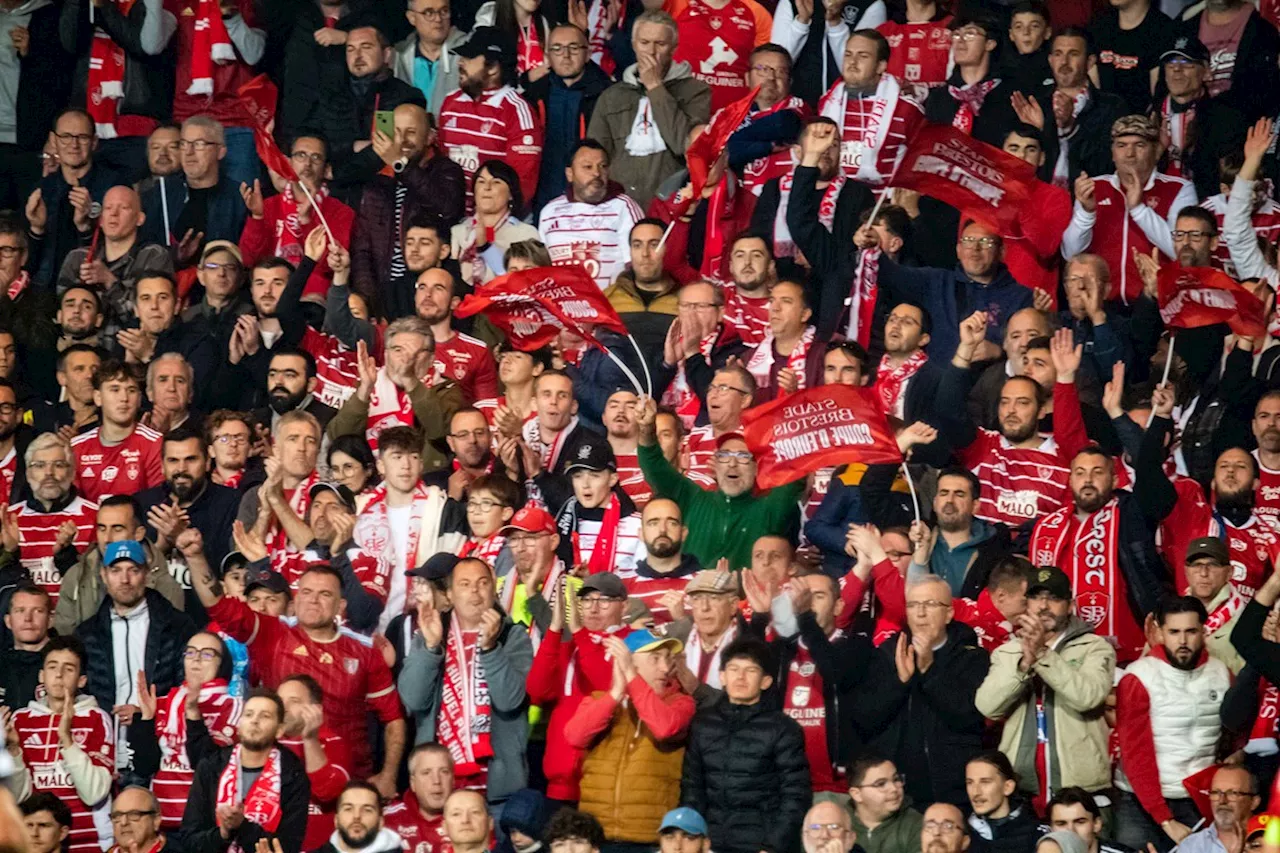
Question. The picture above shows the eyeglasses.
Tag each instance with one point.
(477, 434)
(9, 408)
(434, 14)
(593, 602)
(557, 49)
(881, 784)
(940, 827)
(77, 138)
(739, 456)
(206, 655)
(1192, 235)
(57, 466)
(484, 505)
(303, 156)
(1229, 795)
(197, 145)
(9, 251)
(896, 555)
(132, 816)
(722, 388)
(231, 438)
(968, 35)
(984, 242)
(525, 540)
(815, 828)
(696, 306)
(770, 71)
(230, 268)
(931, 604)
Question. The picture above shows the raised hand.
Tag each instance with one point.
(815, 139)
(1162, 400)
(10, 535)
(188, 246)
(247, 542)
(490, 625)
(917, 433)
(904, 659)
(367, 369)
(147, 700)
(1256, 143)
(1149, 269)
(921, 543)
(317, 241)
(37, 213)
(1028, 110)
(1066, 355)
(81, 208)
(429, 623)
(1114, 391)
(1041, 300)
(191, 542)
(800, 594)
(1085, 193)
(647, 421)
(252, 196)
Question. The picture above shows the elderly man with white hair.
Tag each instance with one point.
(170, 388)
(827, 828)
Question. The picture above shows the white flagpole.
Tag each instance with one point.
(648, 379)
(1168, 362)
(164, 210)
(911, 487)
(316, 208)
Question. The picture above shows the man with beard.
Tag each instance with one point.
(79, 317)
(590, 223)
(249, 792)
(1266, 432)
(358, 823)
(644, 294)
(279, 225)
(121, 456)
(1207, 568)
(291, 379)
(458, 358)
(486, 119)
(164, 153)
(944, 830)
(662, 576)
(471, 444)
(620, 428)
(964, 549)
(746, 298)
(188, 498)
(418, 816)
(254, 335)
(1057, 669)
(1234, 797)
(325, 755)
(1160, 744)
(1186, 514)
(15, 437)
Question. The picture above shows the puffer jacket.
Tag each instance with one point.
(1076, 677)
(745, 771)
(1016, 832)
(81, 592)
(680, 103)
(646, 321)
(167, 636)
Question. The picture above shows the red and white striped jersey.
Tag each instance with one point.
(38, 532)
(1266, 224)
(499, 126)
(594, 236)
(700, 444)
(918, 53)
(1250, 545)
(748, 316)
(172, 782)
(1266, 496)
(93, 731)
(632, 480)
(118, 469)
(1019, 484)
(858, 131)
(467, 361)
(651, 588)
(629, 546)
(337, 374)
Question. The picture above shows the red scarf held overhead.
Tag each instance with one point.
(465, 720)
(210, 46)
(106, 79)
(289, 236)
(890, 379)
(606, 547)
(261, 801)
(970, 99)
(714, 243)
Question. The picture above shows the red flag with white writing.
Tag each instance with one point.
(533, 306)
(979, 179)
(258, 97)
(815, 428)
(706, 149)
(1191, 297)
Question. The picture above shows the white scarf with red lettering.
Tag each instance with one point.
(278, 544)
(261, 801)
(389, 407)
(211, 45)
(19, 284)
(465, 718)
(783, 247)
(373, 530)
(171, 717)
(890, 379)
(865, 152)
(861, 301)
(761, 362)
(1097, 535)
(1175, 126)
(289, 237)
(106, 79)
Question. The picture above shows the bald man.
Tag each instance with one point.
(827, 828)
(1022, 328)
(944, 830)
(119, 256)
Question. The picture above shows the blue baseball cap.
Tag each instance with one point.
(125, 549)
(684, 819)
(647, 641)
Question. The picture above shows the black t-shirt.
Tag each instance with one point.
(195, 213)
(1126, 57)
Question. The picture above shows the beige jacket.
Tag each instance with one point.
(81, 592)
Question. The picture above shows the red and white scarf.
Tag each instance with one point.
(19, 285)
(705, 663)
(1224, 612)
(389, 407)
(865, 151)
(373, 531)
(861, 301)
(469, 253)
(171, 717)
(289, 236)
(278, 545)
(550, 584)
(783, 247)
(680, 395)
(605, 551)
(529, 52)
(970, 99)
(761, 363)
(1175, 126)
(1088, 559)
(261, 801)
(890, 379)
(550, 453)
(210, 46)
(465, 719)
(106, 79)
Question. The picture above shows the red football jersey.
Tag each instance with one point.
(420, 834)
(717, 43)
(327, 783)
(118, 469)
(632, 480)
(919, 53)
(499, 126)
(1250, 545)
(172, 783)
(38, 532)
(1266, 497)
(467, 361)
(700, 444)
(336, 372)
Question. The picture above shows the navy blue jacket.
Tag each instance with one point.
(226, 211)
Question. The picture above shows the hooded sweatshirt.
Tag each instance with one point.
(386, 841)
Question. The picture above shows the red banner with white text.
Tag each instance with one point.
(1191, 297)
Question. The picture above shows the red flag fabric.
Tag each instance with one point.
(1191, 297)
(815, 428)
(712, 141)
(532, 306)
(258, 97)
(977, 178)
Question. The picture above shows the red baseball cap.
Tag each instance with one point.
(1256, 824)
(729, 436)
(531, 519)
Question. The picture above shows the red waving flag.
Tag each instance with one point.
(258, 97)
(706, 149)
(814, 428)
(953, 167)
(533, 306)
(1191, 297)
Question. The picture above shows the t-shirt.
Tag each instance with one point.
(1126, 57)
(1223, 41)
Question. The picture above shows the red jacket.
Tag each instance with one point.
(327, 783)
(985, 619)
(668, 716)
(260, 236)
(890, 589)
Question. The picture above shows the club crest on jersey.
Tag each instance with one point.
(109, 473)
(799, 696)
(351, 665)
(715, 23)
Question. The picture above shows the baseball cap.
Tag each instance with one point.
(1208, 546)
(1135, 125)
(1052, 580)
(594, 454)
(605, 583)
(1256, 824)
(1189, 48)
(684, 819)
(709, 580)
(343, 493)
(647, 641)
(490, 42)
(531, 519)
(222, 246)
(125, 549)
(729, 436)
(437, 567)
(273, 582)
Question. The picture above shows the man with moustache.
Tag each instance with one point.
(358, 825)
(1266, 432)
(1233, 793)
(1022, 328)
(1160, 743)
(662, 577)
(291, 381)
(944, 830)
(1208, 569)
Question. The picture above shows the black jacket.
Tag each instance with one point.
(148, 80)
(19, 676)
(167, 636)
(566, 112)
(994, 118)
(44, 79)
(212, 513)
(199, 832)
(345, 114)
(854, 200)
(745, 771)
(1218, 126)
(1089, 147)
(929, 725)
(1255, 78)
(1016, 832)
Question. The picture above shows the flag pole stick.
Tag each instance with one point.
(648, 379)
(1168, 362)
(875, 211)
(666, 234)
(626, 370)
(911, 487)
(164, 210)
(316, 208)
